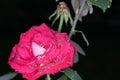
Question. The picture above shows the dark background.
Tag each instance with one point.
(101, 29)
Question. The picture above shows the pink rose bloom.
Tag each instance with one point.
(41, 51)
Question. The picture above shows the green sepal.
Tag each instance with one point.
(52, 15)
(55, 19)
(66, 18)
(61, 23)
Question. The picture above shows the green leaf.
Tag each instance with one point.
(79, 48)
(76, 59)
(8, 76)
(72, 74)
(63, 77)
(103, 4)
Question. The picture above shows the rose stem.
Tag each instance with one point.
(48, 77)
(76, 19)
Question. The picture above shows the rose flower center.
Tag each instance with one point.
(37, 49)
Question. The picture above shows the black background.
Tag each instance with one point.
(101, 29)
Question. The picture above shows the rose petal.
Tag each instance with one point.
(37, 50)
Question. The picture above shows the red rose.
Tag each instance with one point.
(41, 51)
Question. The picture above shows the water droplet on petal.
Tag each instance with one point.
(41, 65)
(110, 0)
(108, 6)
